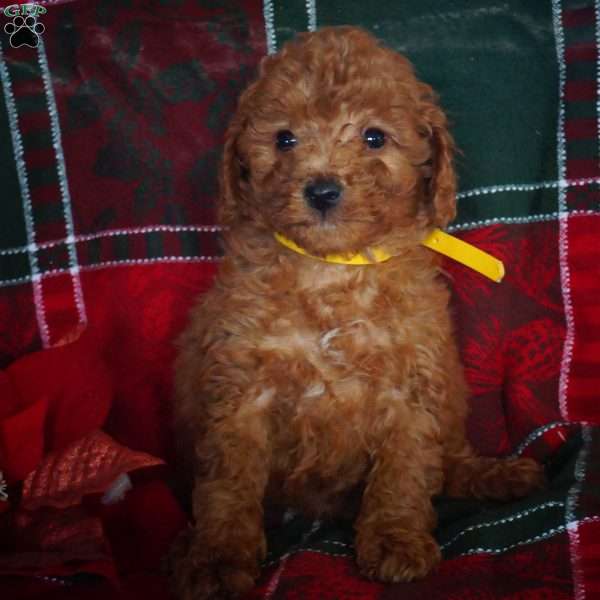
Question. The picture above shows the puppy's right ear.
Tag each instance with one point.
(232, 172)
(235, 172)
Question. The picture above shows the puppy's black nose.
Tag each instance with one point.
(323, 194)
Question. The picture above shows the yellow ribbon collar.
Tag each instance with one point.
(437, 240)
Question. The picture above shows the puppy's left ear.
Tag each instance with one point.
(442, 185)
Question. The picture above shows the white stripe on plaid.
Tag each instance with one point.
(503, 521)
(17, 143)
(62, 581)
(528, 187)
(269, 17)
(299, 551)
(315, 526)
(563, 249)
(274, 581)
(534, 435)
(571, 507)
(563, 217)
(15, 281)
(63, 182)
(139, 261)
(536, 538)
(518, 220)
(592, 519)
(115, 263)
(86, 237)
(276, 577)
(574, 543)
(311, 12)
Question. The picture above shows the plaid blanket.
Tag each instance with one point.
(111, 124)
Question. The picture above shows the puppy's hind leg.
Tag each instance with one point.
(469, 475)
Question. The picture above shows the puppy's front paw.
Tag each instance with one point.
(396, 556)
(197, 574)
(193, 580)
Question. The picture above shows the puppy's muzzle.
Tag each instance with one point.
(323, 195)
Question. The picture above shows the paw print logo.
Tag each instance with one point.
(24, 31)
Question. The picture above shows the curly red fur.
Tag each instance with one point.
(310, 382)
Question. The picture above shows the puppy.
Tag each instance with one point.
(311, 382)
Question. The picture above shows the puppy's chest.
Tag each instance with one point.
(333, 344)
(324, 356)
(336, 376)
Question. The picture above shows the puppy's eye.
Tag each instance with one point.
(374, 138)
(285, 140)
